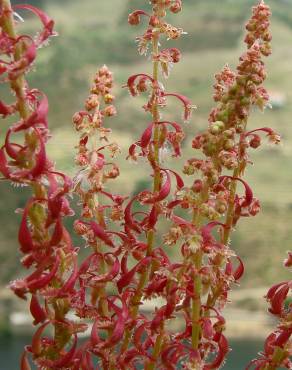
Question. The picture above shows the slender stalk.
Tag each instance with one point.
(197, 259)
(157, 348)
(98, 292)
(156, 186)
(230, 211)
(196, 301)
(155, 117)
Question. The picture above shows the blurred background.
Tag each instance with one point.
(94, 32)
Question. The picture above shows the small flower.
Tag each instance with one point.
(171, 32)
(135, 17)
(109, 111)
(92, 102)
(288, 260)
(132, 84)
(176, 7)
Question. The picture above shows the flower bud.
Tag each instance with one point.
(81, 160)
(109, 111)
(154, 21)
(254, 207)
(108, 98)
(204, 209)
(251, 26)
(134, 19)
(255, 142)
(197, 186)
(176, 7)
(229, 144)
(92, 102)
(104, 71)
(217, 127)
(221, 207)
(229, 134)
(80, 228)
(196, 142)
(78, 121)
(288, 260)
(142, 85)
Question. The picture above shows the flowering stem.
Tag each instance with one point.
(156, 186)
(197, 261)
(18, 84)
(233, 187)
(98, 292)
(237, 172)
(155, 116)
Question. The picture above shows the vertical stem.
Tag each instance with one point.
(155, 117)
(230, 210)
(98, 292)
(196, 301)
(197, 261)
(157, 348)
(156, 186)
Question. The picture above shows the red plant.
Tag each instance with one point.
(277, 347)
(129, 262)
(44, 241)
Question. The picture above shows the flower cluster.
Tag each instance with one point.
(213, 197)
(129, 260)
(158, 26)
(95, 169)
(44, 241)
(99, 272)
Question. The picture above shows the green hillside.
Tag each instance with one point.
(96, 32)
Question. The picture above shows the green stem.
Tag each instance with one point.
(230, 210)
(197, 259)
(278, 357)
(196, 301)
(100, 291)
(156, 186)
(157, 348)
